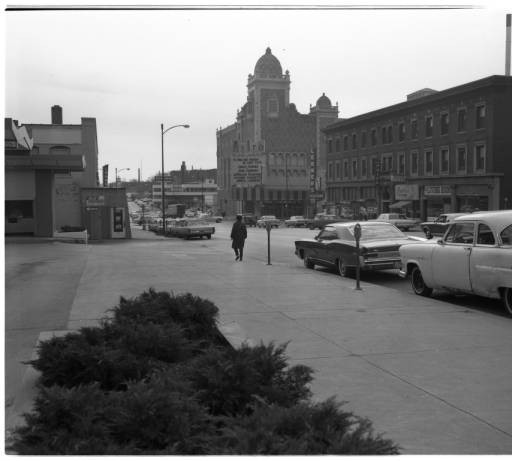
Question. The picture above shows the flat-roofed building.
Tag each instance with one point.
(437, 152)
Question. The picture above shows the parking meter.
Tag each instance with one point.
(357, 236)
(268, 226)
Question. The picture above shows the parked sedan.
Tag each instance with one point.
(296, 221)
(321, 220)
(440, 224)
(188, 229)
(474, 256)
(274, 222)
(335, 246)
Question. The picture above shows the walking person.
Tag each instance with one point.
(238, 235)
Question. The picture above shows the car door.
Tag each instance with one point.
(490, 263)
(324, 251)
(451, 257)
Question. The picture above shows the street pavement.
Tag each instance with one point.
(433, 376)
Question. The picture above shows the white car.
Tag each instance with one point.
(398, 220)
(474, 256)
(274, 222)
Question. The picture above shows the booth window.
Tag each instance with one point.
(18, 209)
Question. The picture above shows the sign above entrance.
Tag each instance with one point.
(437, 190)
(247, 169)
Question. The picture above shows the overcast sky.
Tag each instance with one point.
(133, 70)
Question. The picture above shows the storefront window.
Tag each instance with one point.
(18, 209)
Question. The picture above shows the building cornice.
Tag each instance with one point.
(487, 82)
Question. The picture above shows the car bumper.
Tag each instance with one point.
(402, 273)
(381, 264)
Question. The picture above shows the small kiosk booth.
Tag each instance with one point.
(105, 213)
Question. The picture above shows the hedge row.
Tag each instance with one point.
(157, 377)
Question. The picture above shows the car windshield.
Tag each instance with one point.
(378, 232)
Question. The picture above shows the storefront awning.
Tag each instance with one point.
(55, 162)
(401, 204)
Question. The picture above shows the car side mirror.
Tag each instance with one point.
(440, 242)
(316, 237)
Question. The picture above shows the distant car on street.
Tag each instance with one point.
(398, 220)
(274, 222)
(321, 220)
(297, 221)
(440, 224)
(188, 229)
(249, 220)
(474, 256)
(216, 219)
(335, 246)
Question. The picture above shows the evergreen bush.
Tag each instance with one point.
(303, 429)
(157, 378)
(228, 380)
(197, 316)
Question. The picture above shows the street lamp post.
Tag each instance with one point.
(119, 171)
(163, 183)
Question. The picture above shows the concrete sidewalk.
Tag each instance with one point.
(434, 377)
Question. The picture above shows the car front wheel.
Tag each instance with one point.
(418, 284)
(507, 299)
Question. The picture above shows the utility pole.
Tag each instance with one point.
(202, 192)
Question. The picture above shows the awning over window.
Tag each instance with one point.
(55, 162)
(401, 204)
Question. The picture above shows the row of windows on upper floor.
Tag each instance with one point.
(387, 132)
(428, 162)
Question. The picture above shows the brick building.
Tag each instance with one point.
(272, 159)
(439, 151)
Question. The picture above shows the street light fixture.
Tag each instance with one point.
(119, 171)
(163, 183)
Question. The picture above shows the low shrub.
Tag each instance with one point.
(156, 416)
(144, 334)
(197, 316)
(303, 429)
(228, 380)
(157, 378)
(71, 360)
(147, 417)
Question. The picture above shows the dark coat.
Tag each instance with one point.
(238, 234)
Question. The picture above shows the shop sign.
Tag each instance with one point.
(437, 190)
(407, 192)
(95, 200)
(247, 169)
(316, 195)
